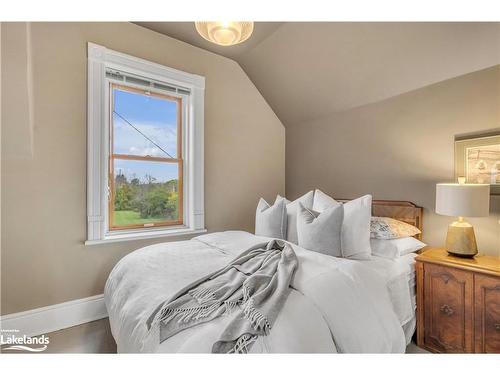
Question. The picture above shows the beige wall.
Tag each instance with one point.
(399, 149)
(44, 260)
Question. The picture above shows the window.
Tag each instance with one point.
(145, 149)
(145, 162)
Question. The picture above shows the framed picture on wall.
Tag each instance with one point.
(478, 160)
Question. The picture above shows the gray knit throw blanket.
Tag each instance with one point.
(254, 286)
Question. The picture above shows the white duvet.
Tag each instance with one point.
(336, 305)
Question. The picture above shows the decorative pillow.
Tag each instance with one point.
(322, 201)
(320, 232)
(386, 228)
(291, 209)
(395, 248)
(356, 228)
(270, 221)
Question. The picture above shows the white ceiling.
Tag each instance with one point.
(306, 70)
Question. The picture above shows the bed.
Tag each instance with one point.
(336, 304)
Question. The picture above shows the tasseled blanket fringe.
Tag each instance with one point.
(258, 320)
(242, 345)
(230, 306)
(187, 314)
(203, 295)
(209, 303)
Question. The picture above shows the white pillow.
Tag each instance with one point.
(320, 232)
(322, 201)
(395, 248)
(270, 221)
(356, 225)
(291, 209)
(356, 228)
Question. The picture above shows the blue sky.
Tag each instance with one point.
(154, 117)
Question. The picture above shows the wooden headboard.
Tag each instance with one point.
(400, 210)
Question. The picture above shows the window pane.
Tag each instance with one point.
(145, 192)
(144, 125)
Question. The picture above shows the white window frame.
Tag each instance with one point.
(99, 60)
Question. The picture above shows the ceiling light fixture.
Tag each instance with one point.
(225, 33)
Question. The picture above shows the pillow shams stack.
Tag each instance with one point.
(391, 238)
(326, 226)
(316, 222)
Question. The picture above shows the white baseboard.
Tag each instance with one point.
(55, 317)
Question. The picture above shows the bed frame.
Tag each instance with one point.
(400, 210)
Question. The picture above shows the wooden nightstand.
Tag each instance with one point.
(458, 303)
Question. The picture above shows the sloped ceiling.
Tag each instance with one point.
(186, 32)
(306, 70)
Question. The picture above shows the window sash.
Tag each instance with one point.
(178, 160)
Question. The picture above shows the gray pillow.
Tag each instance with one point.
(321, 232)
(291, 211)
(271, 221)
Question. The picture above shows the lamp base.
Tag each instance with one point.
(461, 240)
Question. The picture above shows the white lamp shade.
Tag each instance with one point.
(467, 200)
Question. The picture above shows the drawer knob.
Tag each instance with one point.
(445, 309)
(497, 326)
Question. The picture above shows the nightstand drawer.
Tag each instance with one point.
(487, 314)
(448, 311)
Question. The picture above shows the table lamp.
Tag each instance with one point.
(462, 200)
